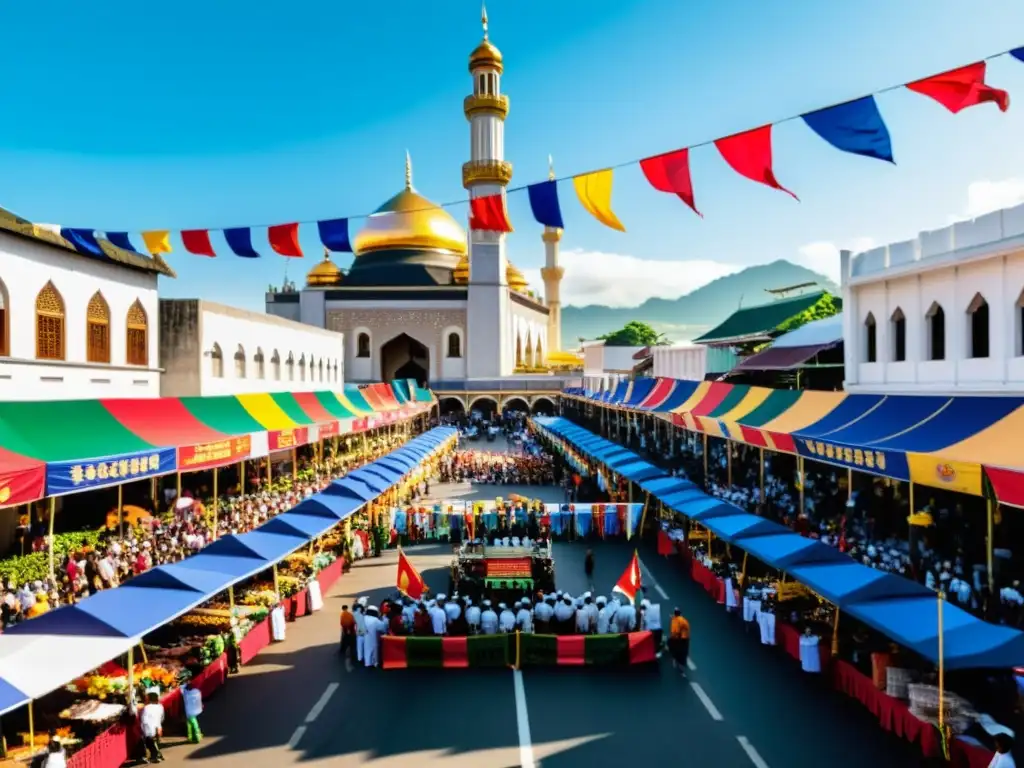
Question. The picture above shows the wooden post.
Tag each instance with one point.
(761, 473)
(153, 491)
(120, 511)
(216, 472)
(803, 480)
(131, 680)
(295, 467)
(32, 727)
(177, 485)
(270, 471)
(707, 480)
(241, 478)
(849, 485)
(277, 586)
(835, 634)
(942, 681)
(53, 565)
(990, 554)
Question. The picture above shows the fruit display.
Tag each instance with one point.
(262, 595)
(203, 625)
(289, 585)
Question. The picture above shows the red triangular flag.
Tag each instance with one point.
(410, 582)
(671, 173)
(630, 581)
(284, 238)
(197, 241)
(750, 155)
(961, 88)
(488, 214)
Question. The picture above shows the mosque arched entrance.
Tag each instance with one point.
(405, 358)
(543, 406)
(517, 404)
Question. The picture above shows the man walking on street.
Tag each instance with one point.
(348, 636)
(679, 641)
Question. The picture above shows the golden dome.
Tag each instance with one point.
(410, 222)
(326, 273)
(516, 280)
(485, 55)
(461, 273)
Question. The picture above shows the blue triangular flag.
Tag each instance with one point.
(544, 203)
(120, 239)
(240, 241)
(1018, 54)
(334, 235)
(84, 241)
(855, 126)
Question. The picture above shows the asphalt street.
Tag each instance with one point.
(742, 704)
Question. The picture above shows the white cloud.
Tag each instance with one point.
(617, 280)
(988, 196)
(823, 256)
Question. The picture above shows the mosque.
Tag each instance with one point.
(424, 300)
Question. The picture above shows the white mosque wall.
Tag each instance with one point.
(680, 361)
(955, 268)
(25, 268)
(211, 349)
(529, 334)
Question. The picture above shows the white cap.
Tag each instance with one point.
(441, 596)
(645, 603)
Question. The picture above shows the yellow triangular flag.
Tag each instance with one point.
(157, 241)
(595, 193)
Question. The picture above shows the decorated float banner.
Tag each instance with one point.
(192, 458)
(930, 470)
(63, 477)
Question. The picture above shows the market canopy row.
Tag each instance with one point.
(954, 443)
(53, 448)
(897, 607)
(42, 654)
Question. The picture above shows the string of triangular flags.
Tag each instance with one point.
(856, 127)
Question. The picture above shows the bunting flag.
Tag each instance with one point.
(544, 203)
(334, 235)
(856, 127)
(488, 214)
(750, 155)
(595, 193)
(409, 583)
(630, 581)
(961, 88)
(284, 239)
(671, 173)
(197, 241)
(240, 241)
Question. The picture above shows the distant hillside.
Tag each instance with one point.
(688, 316)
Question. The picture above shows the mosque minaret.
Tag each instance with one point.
(552, 273)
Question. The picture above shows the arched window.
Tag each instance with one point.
(49, 324)
(454, 345)
(97, 330)
(240, 362)
(363, 345)
(5, 319)
(899, 336)
(216, 362)
(936, 322)
(289, 365)
(337, 368)
(871, 339)
(977, 317)
(261, 372)
(302, 368)
(137, 335)
(275, 366)
(529, 352)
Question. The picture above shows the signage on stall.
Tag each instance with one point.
(209, 455)
(284, 439)
(72, 476)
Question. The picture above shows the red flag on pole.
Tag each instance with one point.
(410, 583)
(489, 214)
(197, 241)
(961, 88)
(630, 581)
(284, 238)
(750, 155)
(671, 173)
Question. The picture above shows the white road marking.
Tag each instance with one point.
(649, 578)
(293, 742)
(752, 753)
(706, 701)
(690, 665)
(319, 707)
(522, 722)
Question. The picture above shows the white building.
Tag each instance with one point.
(423, 300)
(210, 349)
(680, 361)
(72, 325)
(603, 366)
(940, 313)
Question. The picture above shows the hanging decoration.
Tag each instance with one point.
(855, 127)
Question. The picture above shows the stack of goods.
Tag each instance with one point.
(958, 713)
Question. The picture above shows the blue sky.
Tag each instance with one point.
(127, 115)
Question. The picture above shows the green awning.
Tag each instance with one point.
(65, 430)
(224, 414)
(754, 323)
(355, 396)
(333, 406)
(287, 402)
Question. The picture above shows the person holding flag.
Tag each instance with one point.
(628, 585)
(410, 583)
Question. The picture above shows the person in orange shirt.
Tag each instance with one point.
(679, 641)
(348, 635)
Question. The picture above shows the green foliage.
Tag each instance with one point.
(35, 566)
(826, 306)
(635, 333)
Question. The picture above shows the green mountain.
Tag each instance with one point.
(691, 315)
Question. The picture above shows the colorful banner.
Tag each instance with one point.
(72, 476)
(885, 463)
(855, 127)
(22, 486)
(286, 439)
(210, 455)
(951, 475)
(328, 430)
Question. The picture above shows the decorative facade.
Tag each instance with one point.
(74, 326)
(942, 313)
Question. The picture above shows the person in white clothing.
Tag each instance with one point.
(625, 618)
(374, 629)
(151, 722)
(452, 609)
(506, 618)
(192, 699)
(583, 625)
(472, 617)
(359, 614)
(524, 617)
(543, 613)
(588, 603)
(1003, 757)
(56, 757)
(604, 617)
(438, 618)
(488, 619)
(650, 620)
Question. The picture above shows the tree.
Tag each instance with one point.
(635, 333)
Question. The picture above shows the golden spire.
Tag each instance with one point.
(408, 170)
(483, 17)
(551, 168)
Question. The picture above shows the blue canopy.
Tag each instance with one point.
(272, 547)
(398, 462)
(374, 482)
(844, 583)
(788, 550)
(383, 471)
(348, 486)
(743, 526)
(640, 470)
(178, 577)
(328, 506)
(291, 524)
(664, 486)
(676, 500)
(11, 697)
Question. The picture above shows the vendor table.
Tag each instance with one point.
(330, 575)
(254, 642)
